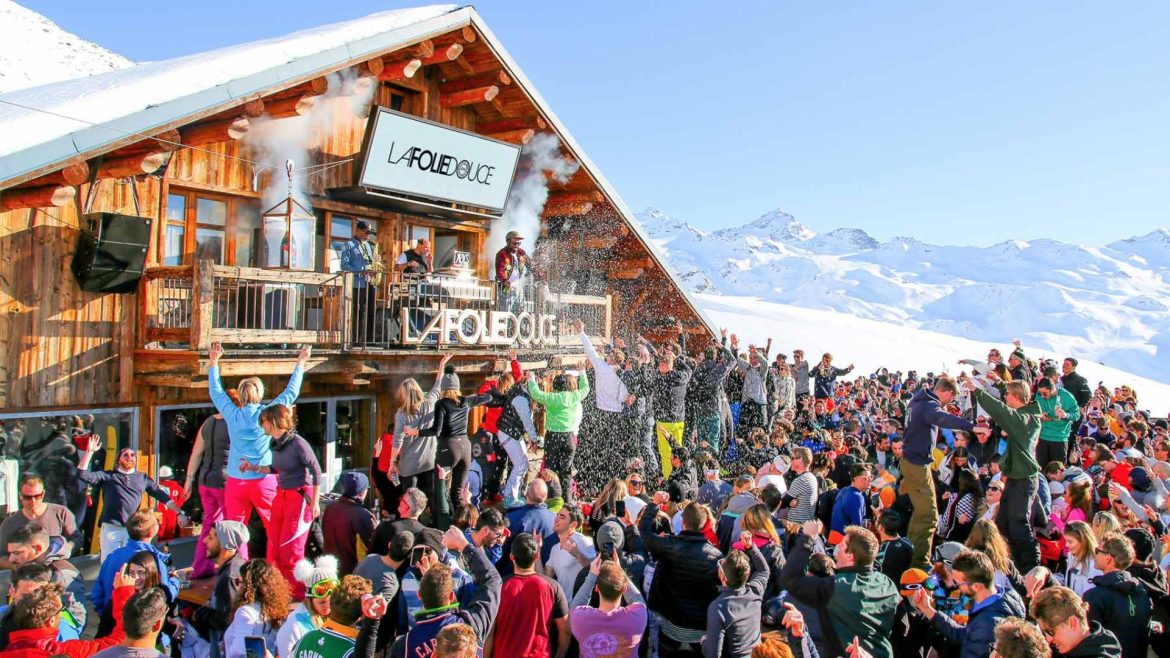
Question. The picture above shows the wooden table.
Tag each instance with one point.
(199, 592)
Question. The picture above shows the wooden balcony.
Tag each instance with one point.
(263, 316)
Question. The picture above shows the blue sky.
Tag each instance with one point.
(962, 123)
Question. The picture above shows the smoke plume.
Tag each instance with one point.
(540, 160)
(276, 141)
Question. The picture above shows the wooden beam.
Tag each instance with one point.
(567, 209)
(74, 174)
(210, 132)
(466, 66)
(319, 85)
(130, 165)
(470, 96)
(499, 107)
(400, 70)
(291, 106)
(445, 54)
(37, 197)
(373, 67)
(632, 273)
(254, 107)
(594, 196)
(498, 78)
(602, 242)
(646, 263)
(522, 136)
(535, 122)
(468, 34)
(424, 48)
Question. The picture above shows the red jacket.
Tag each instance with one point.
(492, 415)
(42, 642)
(505, 263)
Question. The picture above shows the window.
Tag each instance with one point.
(202, 225)
(176, 230)
(340, 228)
(47, 443)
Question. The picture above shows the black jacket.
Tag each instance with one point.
(707, 383)
(894, 558)
(451, 416)
(733, 618)
(1119, 602)
(686, 578)
(1099, 644)
(1079, 387)
(669, 391)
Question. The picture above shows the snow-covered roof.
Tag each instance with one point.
(152, 97)
(146, 97)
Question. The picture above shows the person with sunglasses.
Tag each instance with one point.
(1117, 600)
(1063, 618)
(320, 579)
(974, 575)
(56, 519)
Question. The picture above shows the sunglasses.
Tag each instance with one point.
(322, 588)
(635, 483)
(911, 587)
(32, 497)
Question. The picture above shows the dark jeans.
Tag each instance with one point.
(389, 491)
(559, 448)
(364, 310)
(1050, 451)
(1013, 519)
(455, 454)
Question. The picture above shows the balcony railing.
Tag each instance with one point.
(190, 307)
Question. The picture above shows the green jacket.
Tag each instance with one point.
(1057, 430)
(1023, 431)
(562, 410)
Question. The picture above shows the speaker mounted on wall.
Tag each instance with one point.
(111, 252)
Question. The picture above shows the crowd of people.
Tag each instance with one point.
(662, 502)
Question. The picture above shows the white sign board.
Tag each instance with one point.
(413, 156)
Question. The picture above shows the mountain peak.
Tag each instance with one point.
(782, 226)
(36, 51)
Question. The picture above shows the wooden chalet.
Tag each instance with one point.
(170, 142)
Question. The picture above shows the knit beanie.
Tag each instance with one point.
(309, 573)
(232, 534)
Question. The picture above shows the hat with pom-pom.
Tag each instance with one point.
(310, 573)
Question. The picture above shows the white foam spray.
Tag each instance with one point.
(540, 160)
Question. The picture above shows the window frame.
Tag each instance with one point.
(192, 226)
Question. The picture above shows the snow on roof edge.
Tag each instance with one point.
(154, 119)
(578, 152)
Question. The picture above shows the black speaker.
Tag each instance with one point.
(111, 252)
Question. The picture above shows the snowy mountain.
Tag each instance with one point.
(35, 51)
(1109, 304)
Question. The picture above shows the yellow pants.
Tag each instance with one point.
(667, 433)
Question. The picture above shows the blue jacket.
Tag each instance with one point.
(976, 639)
(248, 441)
(848, 509)
(352, 260)
(102, 594)
(924, 416)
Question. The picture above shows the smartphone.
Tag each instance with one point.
(620, 509)
(254, 647)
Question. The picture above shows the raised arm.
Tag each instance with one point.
(290, 393)
(520, 404)
(219, 396)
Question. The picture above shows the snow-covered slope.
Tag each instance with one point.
(871, 344)
(35, 51)
(1109, 304)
